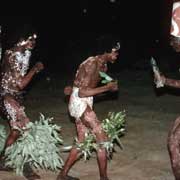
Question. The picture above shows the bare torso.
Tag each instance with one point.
(87, 75)
(14, 68)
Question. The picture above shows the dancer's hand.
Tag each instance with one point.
(38, 67)
(113, 86)
(67, 90)
(160, 78)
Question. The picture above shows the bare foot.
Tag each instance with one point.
(61, 177)
(104, 178)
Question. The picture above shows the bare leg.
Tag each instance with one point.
(73, 155)
(102, 163)
(102, 155)
(17, 118)
(90, 119)
(174, 148)
(13, 136)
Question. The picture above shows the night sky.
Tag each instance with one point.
(78, 29)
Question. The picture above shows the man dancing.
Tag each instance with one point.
(14, 78)
(174, 133)
(81, 108)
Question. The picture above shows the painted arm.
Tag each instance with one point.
(24, 81)
(86, 92)
(172, 82)
(169, 82)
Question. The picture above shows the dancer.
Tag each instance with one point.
(81, 108)
(14, 78)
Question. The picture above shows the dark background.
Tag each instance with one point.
(74, 30)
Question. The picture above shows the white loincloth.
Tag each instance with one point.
(78, 105)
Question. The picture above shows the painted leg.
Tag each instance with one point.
(74, 154)
(13, 136)
(102, 154)
(17, 118)
(102, 163)
(90, 119)
(174, 149)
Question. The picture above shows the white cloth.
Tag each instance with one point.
(78, 105)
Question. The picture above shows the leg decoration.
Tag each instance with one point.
(39, 145)
(103, 134)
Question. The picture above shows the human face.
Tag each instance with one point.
(113, 56)
(31, 41)
(30, 44)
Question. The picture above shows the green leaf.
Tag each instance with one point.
(39, 145)
(106, 77)
(3, 135)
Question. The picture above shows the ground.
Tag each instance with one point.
(149, 116)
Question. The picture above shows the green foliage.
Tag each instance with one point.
(106, 77)
(114, 126)
(87, 146)
(3, 136)
(109, 146)
(39, 145)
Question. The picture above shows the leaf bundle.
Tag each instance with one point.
(106, 78)
(38, 145)
(3, 136)
(114, 126)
